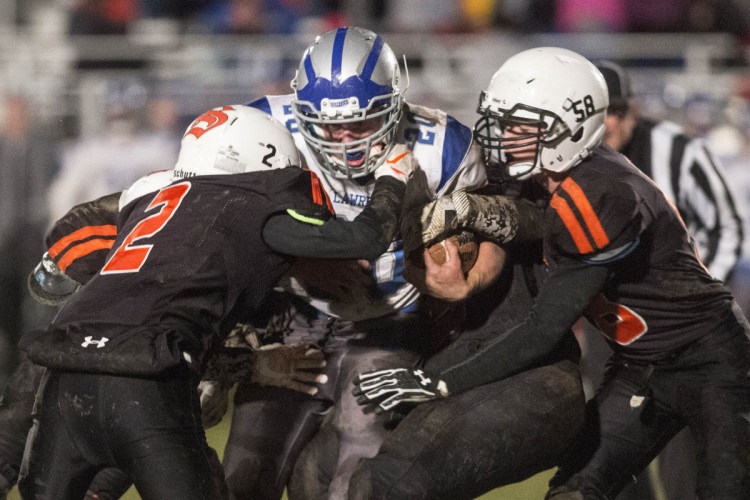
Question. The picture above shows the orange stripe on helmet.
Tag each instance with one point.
(82, 250)
(81, 234)
(571, 223)
(587, 212)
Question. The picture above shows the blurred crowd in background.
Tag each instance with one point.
(98, 17)
(96, 93)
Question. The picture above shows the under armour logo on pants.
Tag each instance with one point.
(98, 343)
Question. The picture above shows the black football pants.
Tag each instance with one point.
(640, 408)
(465, 445)
(149, 428)
(15, 421)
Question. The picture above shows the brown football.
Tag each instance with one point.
(468, 249)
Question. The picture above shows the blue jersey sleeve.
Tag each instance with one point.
(457, 143)
(261, 103)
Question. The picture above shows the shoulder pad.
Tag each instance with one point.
(590, 221)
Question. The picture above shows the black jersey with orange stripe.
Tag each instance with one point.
(186, 261)
(659, 296)
(79, 242)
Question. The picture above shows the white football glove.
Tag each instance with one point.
(399, 164)
(493, 216)
(389, 388)
(214, 397)
(295, 367)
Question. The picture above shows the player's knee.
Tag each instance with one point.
(380, 478)
(360, 484)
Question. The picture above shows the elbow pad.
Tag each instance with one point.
(48, 285)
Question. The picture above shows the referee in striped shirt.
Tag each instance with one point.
(688, 173)
(683, 168)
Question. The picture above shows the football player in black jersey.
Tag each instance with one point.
(77, 246)
(619, 254)
(125, 351)
(689, 173)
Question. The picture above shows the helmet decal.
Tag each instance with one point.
(235, 139)
(212, 118)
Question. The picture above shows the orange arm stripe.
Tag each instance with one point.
(82, 250)
(572, 224)
(317, 198)
(329, 204)
(586, 210)
(81, 234)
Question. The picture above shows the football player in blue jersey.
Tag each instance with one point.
(620, 255)
(346, 114)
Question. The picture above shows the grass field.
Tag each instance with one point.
(531, 489)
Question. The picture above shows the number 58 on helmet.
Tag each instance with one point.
(557, 97)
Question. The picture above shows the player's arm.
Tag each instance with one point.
(366, 237)
(561, 301)
(77, 245)
(499, 218)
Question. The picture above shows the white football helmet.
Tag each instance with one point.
(146, 184)
(346, 76)
(557, 93)
(233, 140)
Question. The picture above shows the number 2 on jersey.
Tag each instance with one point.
(129, 258)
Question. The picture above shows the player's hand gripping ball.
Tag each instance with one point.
(468, 249)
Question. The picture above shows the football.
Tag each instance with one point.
(468, 249)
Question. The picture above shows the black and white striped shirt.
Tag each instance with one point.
(688, 173)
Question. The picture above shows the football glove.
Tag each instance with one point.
(389, 388)
(495, 217)
(399, 164)
(294, 367)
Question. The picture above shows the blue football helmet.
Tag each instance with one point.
(346, 77)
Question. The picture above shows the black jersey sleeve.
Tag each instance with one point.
(561, 301)
(366, 237)
(593, 222)
(79, 242)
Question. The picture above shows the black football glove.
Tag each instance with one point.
(389, 388)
